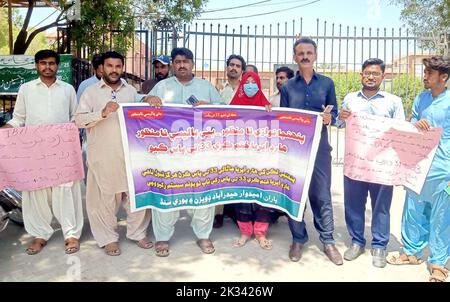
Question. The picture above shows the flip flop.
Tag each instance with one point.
(145, 243)
(206, 246)
(438, 273)
(71, 245)
(36, 246)
(403, 259)
(112, 249)
(264, 243)
(162, 248)
(241, 241)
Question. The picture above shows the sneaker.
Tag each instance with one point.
(379, 257)
(353, 252)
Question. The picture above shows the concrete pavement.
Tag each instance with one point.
(187, 263)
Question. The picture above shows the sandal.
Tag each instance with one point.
(36, 246)
(72, 245)
(241, 241)
(144, 243)
(404, 259)
(438, 273)
(162, 248)
(112, 249)
(264, 243)
(206, 246)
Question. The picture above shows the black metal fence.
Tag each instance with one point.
(341, 51)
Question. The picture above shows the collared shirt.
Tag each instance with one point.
(38, 104)
(148, 85)
(227, 92)
(437, 112)
(172, 91)
(104, 144)
(296, 93)
(275, 99)
(85, 84)
(381, 104)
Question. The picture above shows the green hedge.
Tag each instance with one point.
(405, 86)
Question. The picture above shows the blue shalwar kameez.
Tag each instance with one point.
(426, 217)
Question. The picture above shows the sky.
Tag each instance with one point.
(359, 13)
(367, 13)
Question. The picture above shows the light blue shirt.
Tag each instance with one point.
(85, 84)
(172, 91)
(437, 112)
(381, 104)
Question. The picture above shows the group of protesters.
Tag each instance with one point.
(47, 100)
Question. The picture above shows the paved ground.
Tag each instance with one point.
(187, 263)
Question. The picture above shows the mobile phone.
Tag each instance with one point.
(192, 100)
(328, 108)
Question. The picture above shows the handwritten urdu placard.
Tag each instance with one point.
(387, 151)
(37, 157)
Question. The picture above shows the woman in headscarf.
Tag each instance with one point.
(249, 93)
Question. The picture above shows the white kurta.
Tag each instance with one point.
(107, 181)
(38, 104)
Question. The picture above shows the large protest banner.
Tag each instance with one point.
(179, 157)
(387, 151)
(37, 157)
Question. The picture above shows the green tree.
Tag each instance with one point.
(37, 43)
(168, 13)
(99, 18)
(427, 18)
(104, 23)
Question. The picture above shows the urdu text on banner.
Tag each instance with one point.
(179, 157)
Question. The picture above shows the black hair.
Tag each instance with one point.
(289, 72)
(237, 57)
(97, 60)
(46, 53)
(305, 41)
(252, 66)
(112, 55)
(182, 51)
(439, 63)
(374, 61)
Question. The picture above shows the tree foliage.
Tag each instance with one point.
(37, 43)
(427, 18)
(104, 24)
(109, 24)
(168, 13)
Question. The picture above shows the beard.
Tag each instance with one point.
(160, 76)
(109, 80)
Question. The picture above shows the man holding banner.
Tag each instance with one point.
(47, 100)
(181, 88)
(370, 99)
(107, 186)
(426, 216)
(311, 91)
